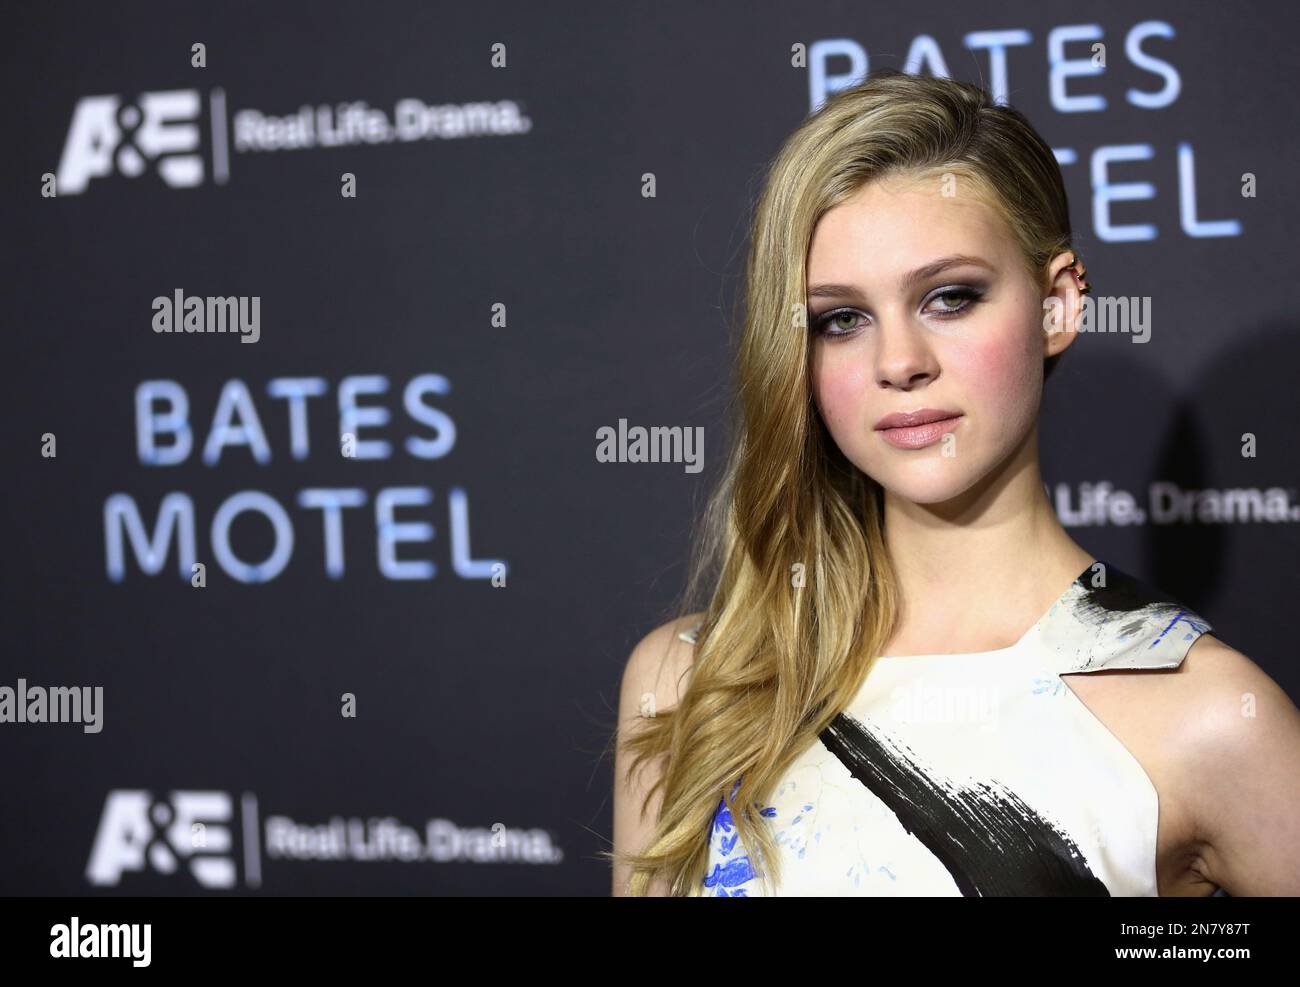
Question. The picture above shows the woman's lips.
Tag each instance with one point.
(919, 436)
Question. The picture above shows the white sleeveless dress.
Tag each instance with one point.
(978, 773)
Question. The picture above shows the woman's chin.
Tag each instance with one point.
(928, 488)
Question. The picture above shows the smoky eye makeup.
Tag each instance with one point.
(944, 302)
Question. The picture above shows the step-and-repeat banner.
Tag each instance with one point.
(331, 340)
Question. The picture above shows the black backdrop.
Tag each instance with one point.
(501, 285)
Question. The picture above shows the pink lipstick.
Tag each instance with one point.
(917, 429)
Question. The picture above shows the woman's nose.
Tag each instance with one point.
(904, 357)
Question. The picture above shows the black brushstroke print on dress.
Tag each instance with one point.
(988, 838)
(1123, 594)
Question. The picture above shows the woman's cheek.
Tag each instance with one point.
(840, 393)
(1000, 373)
(843, 399)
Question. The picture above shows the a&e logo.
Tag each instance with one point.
(137, 832)
(109, 136)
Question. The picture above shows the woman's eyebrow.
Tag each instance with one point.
(831, 290)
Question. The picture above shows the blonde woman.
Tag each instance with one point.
(908, 679)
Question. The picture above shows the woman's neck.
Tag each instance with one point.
(981, 568)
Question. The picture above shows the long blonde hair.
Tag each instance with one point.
(792, 543)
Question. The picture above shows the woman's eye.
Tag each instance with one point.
(839, 323)
(954, 301)
(844, 321)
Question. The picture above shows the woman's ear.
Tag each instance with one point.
(1064, 304)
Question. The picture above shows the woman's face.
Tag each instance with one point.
(921, 302)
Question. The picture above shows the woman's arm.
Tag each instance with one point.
(653, 680)
(1244, 751)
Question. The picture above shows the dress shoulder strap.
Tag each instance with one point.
(690, 635)
(1108, 619)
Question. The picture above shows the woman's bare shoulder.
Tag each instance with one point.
(1220, 691)
(1240, 732)
(653, 681)
(658, 668)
